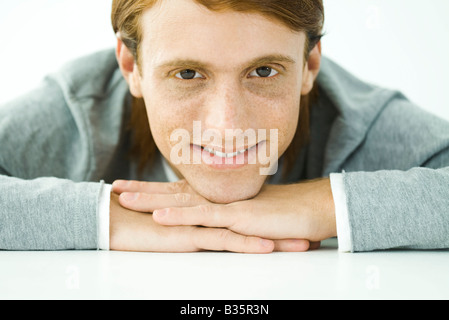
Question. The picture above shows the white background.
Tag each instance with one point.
(399, 44)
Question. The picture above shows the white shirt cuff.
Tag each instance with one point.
(341, 213)
(103, 217)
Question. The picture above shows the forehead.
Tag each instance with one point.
(183, 29)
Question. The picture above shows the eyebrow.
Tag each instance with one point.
(194, 64)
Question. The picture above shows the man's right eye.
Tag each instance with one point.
(188, 74)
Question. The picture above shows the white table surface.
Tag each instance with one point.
(321, 274)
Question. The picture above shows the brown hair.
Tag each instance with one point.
(299, 15)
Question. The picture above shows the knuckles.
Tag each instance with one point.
(183, 198)
(205, 209)
(180, 186)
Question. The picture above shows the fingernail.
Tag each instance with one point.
(120, 184)
(128, 196)
(160, 213)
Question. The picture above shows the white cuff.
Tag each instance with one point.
(341, 213)
(103, 217)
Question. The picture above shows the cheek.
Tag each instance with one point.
(280, 111)
(166, 115)
(289, 111)
(286, 122)
(170, 103)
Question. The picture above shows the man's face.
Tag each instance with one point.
(203, 71)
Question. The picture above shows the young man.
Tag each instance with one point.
(355, 161)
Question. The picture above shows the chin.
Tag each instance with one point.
(225, 188)
(228, 196)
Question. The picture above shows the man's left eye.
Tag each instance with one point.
(264, 72)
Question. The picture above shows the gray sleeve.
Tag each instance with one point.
(398, 209)
(402, 199)
(44, 202)
(48, 214)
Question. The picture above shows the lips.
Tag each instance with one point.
(217, 159)
(225, 155)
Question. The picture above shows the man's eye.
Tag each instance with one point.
(264, 72)
(188, 74)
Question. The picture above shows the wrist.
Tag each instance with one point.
(317, 196)
(329, 207)
(119, 218)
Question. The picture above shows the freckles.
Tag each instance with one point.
(271, 92)
(178, 118)
(279, 104)
(180, 93)
(281, 112)
(174, 103)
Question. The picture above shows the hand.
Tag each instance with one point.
(299, 211)
(191, 209)
(136, 231)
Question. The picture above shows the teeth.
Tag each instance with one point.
(224, 155)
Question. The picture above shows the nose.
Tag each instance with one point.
(226, 107)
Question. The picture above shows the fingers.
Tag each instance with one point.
(293, 245)
(212, 239)
(218, 216)
(206, 215)
(144, 202)
(121, 186)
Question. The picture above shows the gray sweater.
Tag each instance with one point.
(62, 141)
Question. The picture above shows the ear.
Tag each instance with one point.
(128, 67)
(311, 70)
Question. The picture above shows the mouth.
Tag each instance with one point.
(220, 160)
(226, 155)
